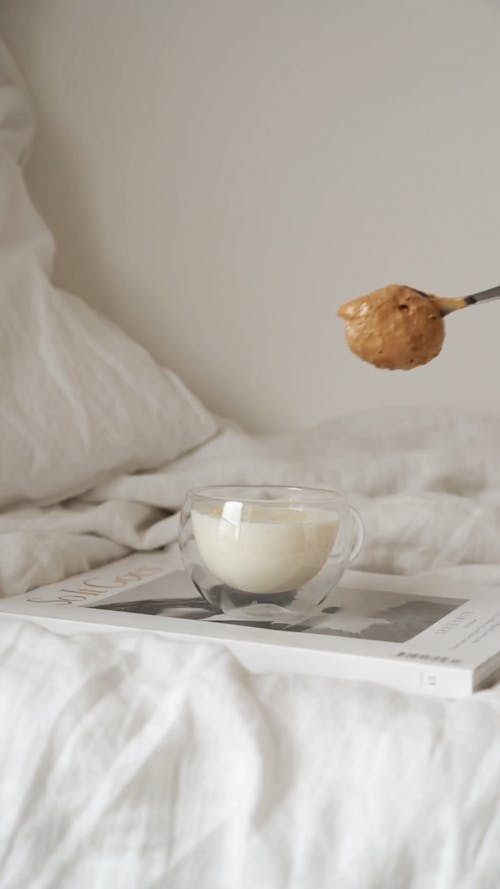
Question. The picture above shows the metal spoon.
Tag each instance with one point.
(451, 305)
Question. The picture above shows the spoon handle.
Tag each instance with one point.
(483, 296)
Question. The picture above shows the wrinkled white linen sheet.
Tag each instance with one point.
(133, 761)
(427, 483)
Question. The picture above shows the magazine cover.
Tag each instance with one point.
(424, 636)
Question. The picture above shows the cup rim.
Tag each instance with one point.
(314, 496)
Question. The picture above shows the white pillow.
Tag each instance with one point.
(78, 398)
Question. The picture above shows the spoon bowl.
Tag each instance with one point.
(400, 328)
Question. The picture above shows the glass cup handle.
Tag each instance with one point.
(359, 533)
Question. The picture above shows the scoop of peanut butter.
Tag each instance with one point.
(396, 327)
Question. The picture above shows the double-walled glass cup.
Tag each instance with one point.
(267, 553)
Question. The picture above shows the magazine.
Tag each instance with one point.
(433, 637)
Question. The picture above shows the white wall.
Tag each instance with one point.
(221, 175)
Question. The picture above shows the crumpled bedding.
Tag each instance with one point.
(427, 483)
(133, 760)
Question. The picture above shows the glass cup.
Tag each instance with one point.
(268, 553)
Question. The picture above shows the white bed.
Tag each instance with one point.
(137, 761)
(132, 761)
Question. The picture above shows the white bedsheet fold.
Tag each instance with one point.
(153, 764)
(427, 483)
